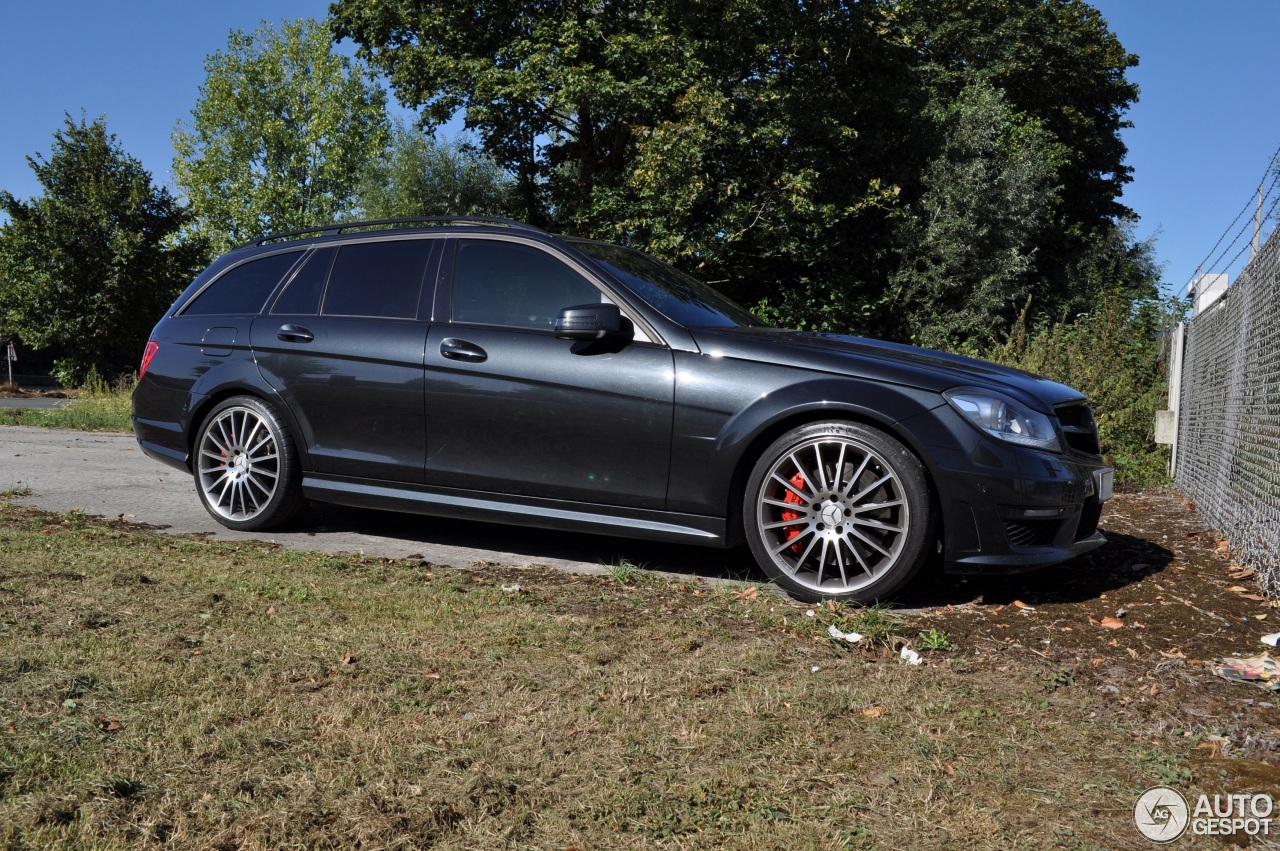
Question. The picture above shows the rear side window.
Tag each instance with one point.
(377, 279)
(244, 289)
(302, 295)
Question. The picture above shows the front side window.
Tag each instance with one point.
(380, 279)
(672, 293)
(507, 283)
(243, 289)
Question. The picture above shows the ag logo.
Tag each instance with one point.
(1161, 814)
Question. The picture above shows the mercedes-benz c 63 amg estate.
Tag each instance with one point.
(488, 370)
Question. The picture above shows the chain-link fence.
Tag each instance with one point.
(1228, 450)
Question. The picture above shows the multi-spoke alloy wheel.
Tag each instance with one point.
(246, 466)
(838, 510)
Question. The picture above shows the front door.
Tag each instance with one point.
(511, 409)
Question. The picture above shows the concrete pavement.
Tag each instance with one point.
(108, 475)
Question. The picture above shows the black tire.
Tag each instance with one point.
(838, 510)
(246, 466)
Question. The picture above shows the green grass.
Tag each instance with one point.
(97, 407)
(159, 690)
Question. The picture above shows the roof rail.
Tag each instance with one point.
(338, 228)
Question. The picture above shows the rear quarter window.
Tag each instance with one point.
(244, 288)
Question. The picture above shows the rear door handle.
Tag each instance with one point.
(295, 334)
(455, 349)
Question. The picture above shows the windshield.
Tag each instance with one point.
(672, 293)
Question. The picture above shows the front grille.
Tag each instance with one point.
(1032, 533)
(1079, 428)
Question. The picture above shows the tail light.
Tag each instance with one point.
(147, 354)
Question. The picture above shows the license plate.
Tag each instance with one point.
(1104, 483)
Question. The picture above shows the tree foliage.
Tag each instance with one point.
(968, 243)
(280, 135)
(91, 264)
(1061, 72)
(907, 168)
(419, 176)
(749, 141)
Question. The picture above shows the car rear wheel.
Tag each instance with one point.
(247, 471)
(838, 510)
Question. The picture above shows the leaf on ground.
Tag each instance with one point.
(1173, 653)
(1021, 605)
(110, 725)
(1223, 547)
(350, 659)
(746, 595)
(1111, 623)
(874, 711)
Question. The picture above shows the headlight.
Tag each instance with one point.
(1004, 418)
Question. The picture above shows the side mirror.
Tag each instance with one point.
(590, 322)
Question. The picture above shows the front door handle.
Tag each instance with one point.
(295, 334)
(455, 349)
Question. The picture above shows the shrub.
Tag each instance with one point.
(1114, 355)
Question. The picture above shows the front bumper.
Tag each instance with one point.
(1007, 508)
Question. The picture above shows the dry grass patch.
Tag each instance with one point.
(158, 690)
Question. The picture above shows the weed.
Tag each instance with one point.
(876, 622)
(932, 639)
(625, 572)
(1054, 680)
(1165, 767)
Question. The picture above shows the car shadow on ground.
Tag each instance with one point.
(1123, 560)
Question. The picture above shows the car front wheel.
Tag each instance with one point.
(838, 510)
(247, 471)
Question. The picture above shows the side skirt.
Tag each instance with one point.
(520, 511)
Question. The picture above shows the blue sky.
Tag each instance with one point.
(1203, 131)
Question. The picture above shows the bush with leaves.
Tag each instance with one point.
(1113, 355)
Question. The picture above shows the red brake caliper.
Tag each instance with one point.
(797, 481)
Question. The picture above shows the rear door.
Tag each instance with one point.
(511, 409)
(343, 345)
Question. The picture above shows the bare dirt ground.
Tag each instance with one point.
(1139, 622)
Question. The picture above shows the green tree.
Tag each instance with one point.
(968, 244)
(752, 142)
(93, 263)
(784, 150)
(418, 176)
(281, 132)
(1059, 66)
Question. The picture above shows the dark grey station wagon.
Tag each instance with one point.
(488, 370)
